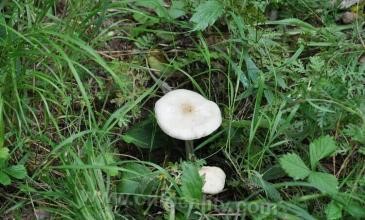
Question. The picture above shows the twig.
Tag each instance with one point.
(163, 85)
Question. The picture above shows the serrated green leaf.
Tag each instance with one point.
(294, 166)
(333, 211)
(16, 171)
(325, 182)
(192, 183)
(321, 148)
(4, 179)
(206, 14)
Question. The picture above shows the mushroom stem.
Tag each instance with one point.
(189, 149)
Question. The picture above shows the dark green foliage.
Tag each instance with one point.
(191, 182)
(147, 135)
(77, 131)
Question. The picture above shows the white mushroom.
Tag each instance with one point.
(214, 179)
(187, 115)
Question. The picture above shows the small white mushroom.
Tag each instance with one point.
(214, 179)
(187, 115)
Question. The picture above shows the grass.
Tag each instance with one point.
(78, 139)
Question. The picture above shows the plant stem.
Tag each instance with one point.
(189, 149)
(165, 87)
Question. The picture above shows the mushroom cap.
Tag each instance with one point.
(214, 179)
(187, 115)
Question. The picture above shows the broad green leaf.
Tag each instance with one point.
(138, 179)
(156, 5)
(321, 148)
(269, 189)
(146, 135)
(4, 179)
(252, 69)
(4, 153)
(158, 62)
(177, 9)
(240, 74)
(325, 182)
(294, 166)
(207, 13)
(293, 212)
(273, 173)
(128, 186)
(16, 171)
(192, 183)
(355, 209)
(144, 19)
(350, 205)
(108, 159)
(333, 211)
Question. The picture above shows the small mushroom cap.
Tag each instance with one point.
(214, 179)
(187, 115)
